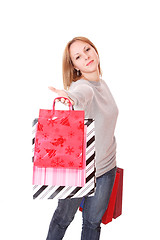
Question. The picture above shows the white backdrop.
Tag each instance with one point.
(33, 37)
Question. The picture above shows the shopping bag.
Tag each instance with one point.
(60, 191)
(59, 139)
(108, 215)
(119, 197)
(114, 208)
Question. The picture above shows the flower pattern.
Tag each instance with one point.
(57, 162)
(50, 122)
(71, 134)
(71, 163)
(69, 150)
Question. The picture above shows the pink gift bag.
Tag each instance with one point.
(59, 154)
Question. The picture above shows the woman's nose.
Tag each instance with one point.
(86, 56)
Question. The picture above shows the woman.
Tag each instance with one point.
(88, 92)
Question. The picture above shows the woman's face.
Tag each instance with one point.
(84, 57)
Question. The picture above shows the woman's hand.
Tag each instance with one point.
(61, 93)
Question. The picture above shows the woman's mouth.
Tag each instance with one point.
(89, 63)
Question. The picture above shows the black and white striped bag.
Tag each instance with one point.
(62, 192)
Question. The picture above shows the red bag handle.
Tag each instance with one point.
(70, 104)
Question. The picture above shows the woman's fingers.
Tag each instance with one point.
(67, 102)
(53, 89)
(64, 101)
(60, 93)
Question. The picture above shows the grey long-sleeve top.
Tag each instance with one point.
(98, 103)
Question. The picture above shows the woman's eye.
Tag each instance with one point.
(87, 49)
(77, 57)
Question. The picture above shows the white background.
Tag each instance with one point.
(33, 37)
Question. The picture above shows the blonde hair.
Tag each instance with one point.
(69, 72)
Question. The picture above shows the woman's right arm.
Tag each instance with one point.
(79, 96)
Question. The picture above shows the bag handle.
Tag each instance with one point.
(59, 98)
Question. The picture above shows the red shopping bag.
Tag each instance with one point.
(59, 139)
(108, 215)
(118, 203)
(114, 208)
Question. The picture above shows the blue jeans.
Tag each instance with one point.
(93, 210)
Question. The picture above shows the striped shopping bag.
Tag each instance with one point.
(60, 191)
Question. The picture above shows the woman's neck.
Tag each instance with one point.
(92, 76)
